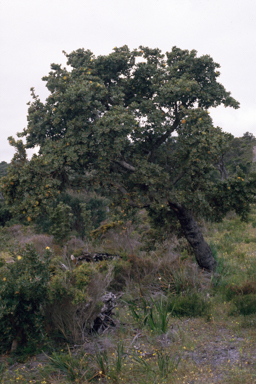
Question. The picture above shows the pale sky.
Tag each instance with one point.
(33, 34)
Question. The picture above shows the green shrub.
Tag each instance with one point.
(75, 298)
(85, 209)
(61, 219)
(23, 288)
(233, 290)
(191, 305)
(245, 304)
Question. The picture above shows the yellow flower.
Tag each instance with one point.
(47, 248)
(29, 218)
(19, 257)
(4, 279)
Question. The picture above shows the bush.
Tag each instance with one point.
(23, 288)
(233, 290)
(95, 206)
(75, 298)
(61, 218)
(191, 305)
(245, 304)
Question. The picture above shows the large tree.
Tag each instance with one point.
(135, 124)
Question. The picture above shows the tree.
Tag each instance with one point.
(3, 168)
(135, 124)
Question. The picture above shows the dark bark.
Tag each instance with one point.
(195, 238)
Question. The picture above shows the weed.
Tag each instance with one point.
(151, 313)
(101, 358)
(73, 367)
(166, 364)
(2, 369)
(119, 359)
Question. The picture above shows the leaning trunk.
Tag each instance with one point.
(195, 238)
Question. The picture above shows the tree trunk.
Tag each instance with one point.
(195, 238)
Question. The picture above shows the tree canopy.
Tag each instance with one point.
(136, 125)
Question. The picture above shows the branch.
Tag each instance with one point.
(162, 139)
(178, 177)
(125, 165)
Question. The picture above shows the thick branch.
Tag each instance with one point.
(178, 177)
(125, 165)
(162, 139)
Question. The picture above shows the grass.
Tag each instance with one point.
(173, 324)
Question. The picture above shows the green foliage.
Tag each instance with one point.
(150, 312)
(23, 288)
(136, 131)
(71, 283)
(75, 368)
(245, 304)
(75, 298)
(61, 218)
(240, 154)
(166, 364)
(102, 360)
(84, 219)
(3, 168)
(192, 304)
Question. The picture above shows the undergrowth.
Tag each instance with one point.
(173, 323)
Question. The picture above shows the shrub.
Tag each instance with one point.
(86, 209)
(245, 304)
(233, 290)
(191, 305)
(23, 288)
(74, 298)
(61, 218)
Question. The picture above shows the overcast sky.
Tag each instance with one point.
(33, 34)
